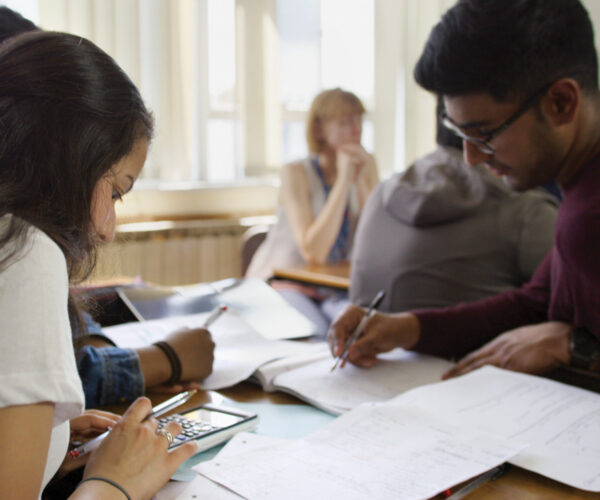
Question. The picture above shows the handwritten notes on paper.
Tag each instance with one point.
(561, 423)
(372, 452)
(346, 388)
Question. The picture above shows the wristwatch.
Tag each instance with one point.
(584, 347)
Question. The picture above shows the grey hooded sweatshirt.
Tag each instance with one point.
(441, 233)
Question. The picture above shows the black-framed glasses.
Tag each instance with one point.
(483, 143)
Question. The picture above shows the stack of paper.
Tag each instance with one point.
(427, 440)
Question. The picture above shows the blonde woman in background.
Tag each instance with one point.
(320, 199)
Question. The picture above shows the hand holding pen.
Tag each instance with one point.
(157, 411)
(134, 458)
(358, 330)
(190, 352)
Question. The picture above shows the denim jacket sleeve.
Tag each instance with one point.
(109, 375)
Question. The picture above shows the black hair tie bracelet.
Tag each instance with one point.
(174, 361)
(109, 481)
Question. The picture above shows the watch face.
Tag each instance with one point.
(585, 348)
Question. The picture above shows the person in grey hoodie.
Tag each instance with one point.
(441, 233)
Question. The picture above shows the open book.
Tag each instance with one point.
(308, 376)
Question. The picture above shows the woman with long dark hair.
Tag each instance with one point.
(74, 133)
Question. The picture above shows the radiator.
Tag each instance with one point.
(173, 253)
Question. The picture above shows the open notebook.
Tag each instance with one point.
(308, 376)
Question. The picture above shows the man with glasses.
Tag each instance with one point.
(519, 81)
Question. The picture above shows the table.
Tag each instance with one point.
(515, 484)
(335, 275)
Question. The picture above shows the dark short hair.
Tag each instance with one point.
(68, 114)
(12, 23)
(508, 48)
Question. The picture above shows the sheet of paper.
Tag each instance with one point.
(200, 488)
(561, 423)
(252, 299)
(374, 451)
(143, 333)
(203, 488)
(276, 423)
(266, 311)
(346, 388)
(239, 349)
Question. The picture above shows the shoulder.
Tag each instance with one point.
(41, 255)
(294, 169)
(39, 261)
(294, 175)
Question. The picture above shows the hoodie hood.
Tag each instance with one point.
(438, 188)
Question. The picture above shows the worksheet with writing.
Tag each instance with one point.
(561, 423)
(374, 451)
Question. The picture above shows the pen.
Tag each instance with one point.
(357, 331)
(490, 475)
(158, 410)
(214, 315)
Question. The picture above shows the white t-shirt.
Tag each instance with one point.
(37, 362)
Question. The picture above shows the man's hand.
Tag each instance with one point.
(529, 349)
(382, 333)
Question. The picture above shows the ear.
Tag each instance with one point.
(562, 101)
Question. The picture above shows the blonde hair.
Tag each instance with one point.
(332, 103)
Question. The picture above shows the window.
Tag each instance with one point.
(224, 132)
(230, 81)
(323, 44)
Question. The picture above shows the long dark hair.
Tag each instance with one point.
(68, 113)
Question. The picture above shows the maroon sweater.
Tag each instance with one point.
(565, 287)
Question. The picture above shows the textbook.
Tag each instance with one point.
(308, 376)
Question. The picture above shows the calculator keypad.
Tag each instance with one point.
(191, 429)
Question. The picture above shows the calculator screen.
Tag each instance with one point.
(215, 418)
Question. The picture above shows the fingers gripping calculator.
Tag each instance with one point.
(209, 425)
